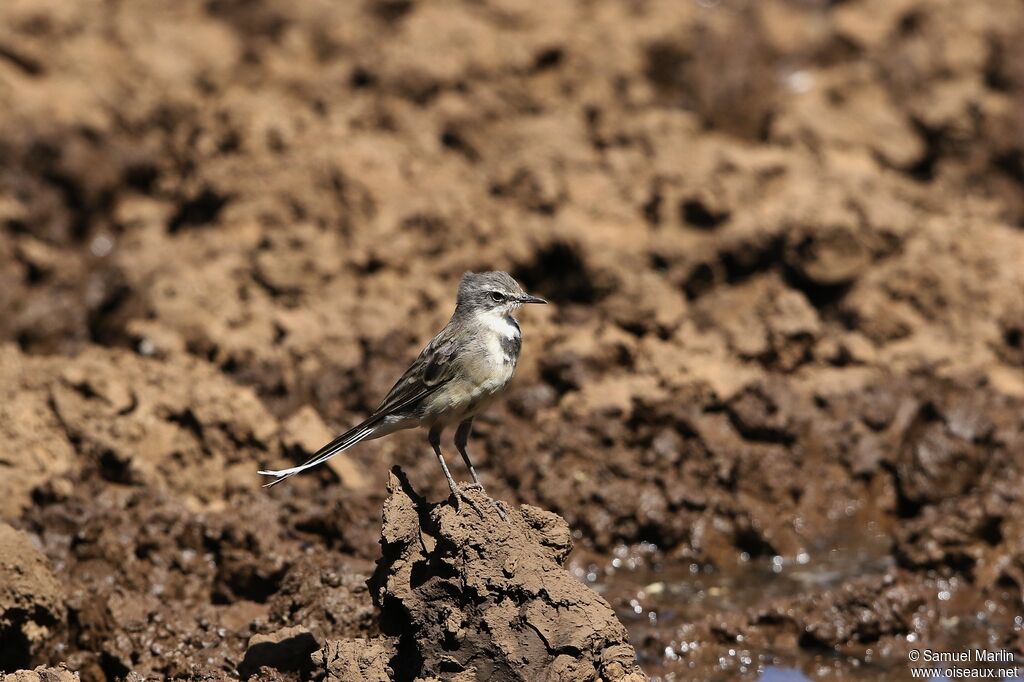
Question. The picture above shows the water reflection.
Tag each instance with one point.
(783, 675)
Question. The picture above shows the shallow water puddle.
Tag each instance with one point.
(672, 612)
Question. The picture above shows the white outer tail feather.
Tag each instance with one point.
(319, 458)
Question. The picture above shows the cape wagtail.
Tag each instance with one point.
(464, 367)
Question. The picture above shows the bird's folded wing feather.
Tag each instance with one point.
(433, 368)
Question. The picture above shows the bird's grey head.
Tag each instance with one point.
(494, 292)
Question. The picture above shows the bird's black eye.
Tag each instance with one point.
(497, 296)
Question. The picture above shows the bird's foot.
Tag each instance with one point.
(462, 494)
(459, 495)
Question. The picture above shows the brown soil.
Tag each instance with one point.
(783, 240)
(31, 600)
(482, 590)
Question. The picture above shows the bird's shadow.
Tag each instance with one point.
(420, 503)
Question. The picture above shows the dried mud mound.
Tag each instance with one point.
(783, 243)
(31, 600)
(473, 592)
(42, 674)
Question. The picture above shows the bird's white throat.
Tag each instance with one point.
(499, 323)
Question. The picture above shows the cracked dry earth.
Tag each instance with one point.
(779, 398)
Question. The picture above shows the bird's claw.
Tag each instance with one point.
(461, 494)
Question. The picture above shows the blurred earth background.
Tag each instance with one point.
(779, 396)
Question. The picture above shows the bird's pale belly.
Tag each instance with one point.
(482, 379)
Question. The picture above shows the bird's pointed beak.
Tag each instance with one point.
(531, 299)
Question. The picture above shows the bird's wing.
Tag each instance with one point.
(432, 369)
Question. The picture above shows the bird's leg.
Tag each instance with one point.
(434, 437)
(461, 440)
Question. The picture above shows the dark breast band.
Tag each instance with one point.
(511, 345)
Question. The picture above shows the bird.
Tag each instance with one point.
(468, 364)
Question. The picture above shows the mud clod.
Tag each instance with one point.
(355, 660)
(286, 649)
(469, 591)
(32, 608)
(42, 674)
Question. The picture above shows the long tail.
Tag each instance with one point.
(342, 442)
